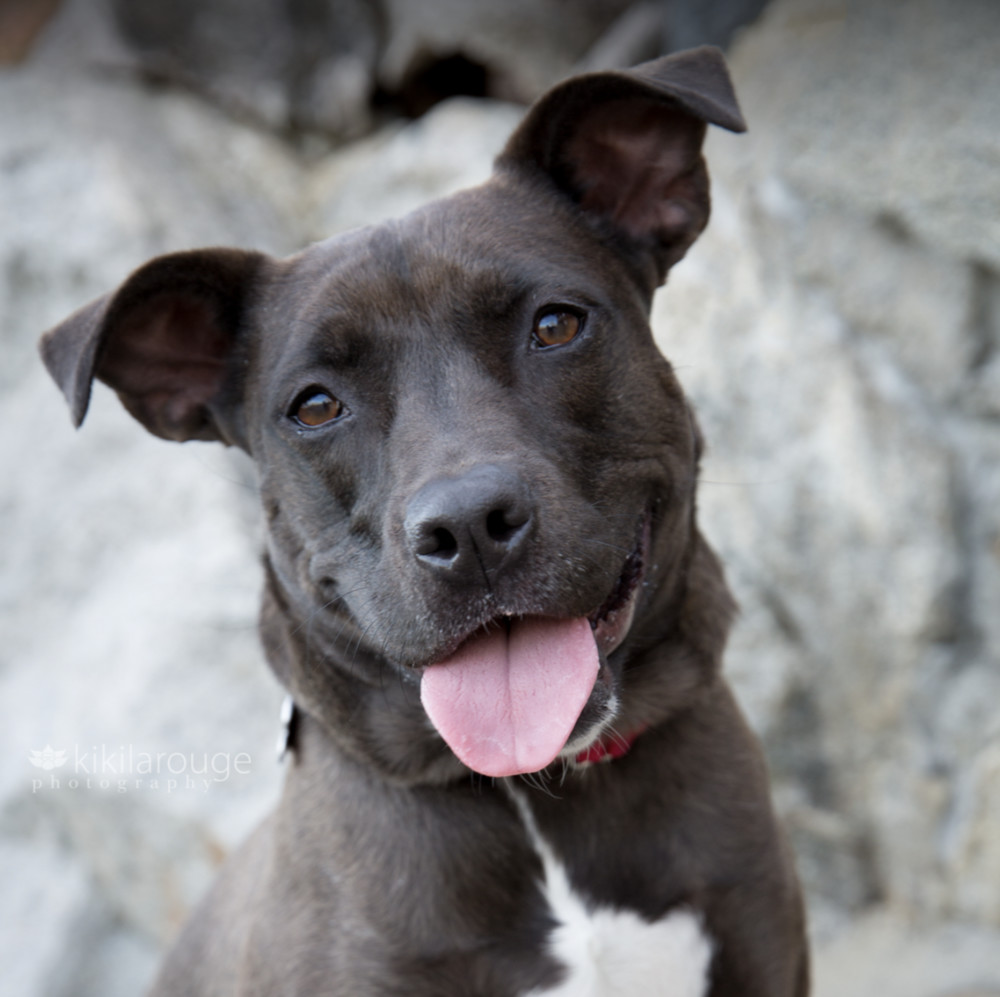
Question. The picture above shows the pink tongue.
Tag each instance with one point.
(506, 702)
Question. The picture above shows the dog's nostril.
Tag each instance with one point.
(502, 525)
(445, 544)
(435, 542)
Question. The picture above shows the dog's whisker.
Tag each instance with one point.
(317, 610)
(621, 740)
(744, 483)
(370, 628)
(604, 543)
(538, 781)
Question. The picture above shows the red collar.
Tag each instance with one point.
(609, 747)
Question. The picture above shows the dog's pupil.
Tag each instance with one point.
(556, 328)
(318, 409)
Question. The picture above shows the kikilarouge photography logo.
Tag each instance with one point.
(125, 768)
(48, 758)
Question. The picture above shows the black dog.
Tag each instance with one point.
(482, 563)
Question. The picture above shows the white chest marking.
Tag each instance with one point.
(613, 953)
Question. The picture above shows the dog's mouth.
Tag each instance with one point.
(613, 618)
(508, 700)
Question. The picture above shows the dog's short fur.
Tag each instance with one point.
(464, 432)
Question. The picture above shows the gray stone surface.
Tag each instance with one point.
(449, 148)
(526, 45)
(322, 66)
(839, 330)
(288, 66)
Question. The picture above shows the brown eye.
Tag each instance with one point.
(316, 408)
(556, 328)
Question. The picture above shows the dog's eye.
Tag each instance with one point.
(556, 327)
(316, 408)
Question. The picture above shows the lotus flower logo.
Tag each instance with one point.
(48, 758)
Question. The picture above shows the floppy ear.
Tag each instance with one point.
(625, 145)
(165, 341)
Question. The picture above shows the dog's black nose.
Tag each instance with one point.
(470, 526)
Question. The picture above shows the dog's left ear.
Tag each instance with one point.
(625, 145)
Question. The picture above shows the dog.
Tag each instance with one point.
(515, 766)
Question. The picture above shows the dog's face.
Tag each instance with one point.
(454, 399)
(476, 468)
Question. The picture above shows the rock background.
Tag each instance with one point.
(838, 327)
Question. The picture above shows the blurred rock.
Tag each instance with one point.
(893, 112)
(635, 36)
(403, 167)
(694, 22)
(884, 953)
(524, 45)
(21, 21)
(289, 64)
(327, 65)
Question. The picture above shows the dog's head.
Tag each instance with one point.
(477, 471)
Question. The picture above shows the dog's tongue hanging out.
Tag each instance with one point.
(506, 702)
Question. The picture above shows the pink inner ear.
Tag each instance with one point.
(639, 165)
(167, 360)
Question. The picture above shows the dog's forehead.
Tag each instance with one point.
(478, 253)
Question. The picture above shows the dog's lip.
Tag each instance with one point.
(612, 620)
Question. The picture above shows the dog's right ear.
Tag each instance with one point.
(166, 341)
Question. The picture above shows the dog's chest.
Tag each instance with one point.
(606, 952)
